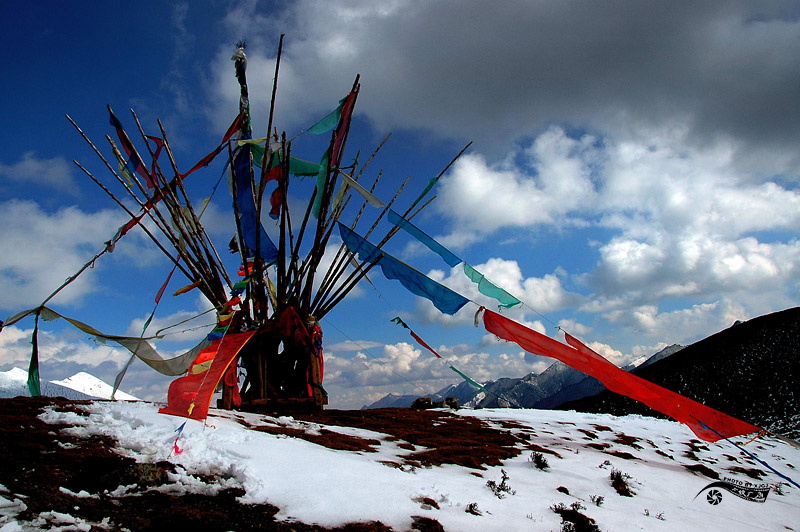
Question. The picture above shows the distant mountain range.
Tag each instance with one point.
(82, 385)
(555, 385)
(749, 371)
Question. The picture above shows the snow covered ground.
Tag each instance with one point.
(314, 484)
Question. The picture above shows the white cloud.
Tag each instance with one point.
(680, 326)
(362, 379)
(45, 173)
(44, 249)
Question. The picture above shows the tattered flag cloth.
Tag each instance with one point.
(329, 121)
(205, 161)
(489, 289)
(248, 216)
(443, 298)
(366, 194)
(696, 416)
(179, 430)
(419, 340)
(344, 126)
(190, 396)
(417, 233)
(485, 287)
(134, 161)
(138, 346)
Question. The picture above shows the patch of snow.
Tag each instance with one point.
(318, 485)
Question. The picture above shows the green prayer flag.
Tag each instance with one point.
(474, 383)
(488, 289)
(399, 321)
(322, 176)
(329, 121)
(33, 369)
(297, 166)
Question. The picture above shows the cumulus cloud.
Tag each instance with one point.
(29, 273)
(677, 326)
(33, 171)
(368, 376)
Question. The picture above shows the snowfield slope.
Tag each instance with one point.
(113, 466)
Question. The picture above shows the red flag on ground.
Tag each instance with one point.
(190, 396)
(578, 356)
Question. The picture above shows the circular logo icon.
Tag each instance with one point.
(714, 497)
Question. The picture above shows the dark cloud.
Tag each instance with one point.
(495, 72)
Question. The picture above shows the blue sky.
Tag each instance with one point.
(632, 178)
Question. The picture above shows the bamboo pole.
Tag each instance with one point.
(239, 232)
(130, 192)
(383, 212)
(192, 223)
(204, 239)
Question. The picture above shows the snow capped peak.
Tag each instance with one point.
(90, 385)
(80, 386)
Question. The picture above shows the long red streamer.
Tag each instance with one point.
(578, 356)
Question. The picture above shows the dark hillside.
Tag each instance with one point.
(749, 371)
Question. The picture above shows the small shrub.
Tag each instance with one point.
(472, 508)
(539, 461)
(500, 490)
(597, 499)
(572, 520)
(604, 464)
(619, 481)
(778, 488)
(660, 516)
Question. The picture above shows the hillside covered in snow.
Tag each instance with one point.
(117, 465)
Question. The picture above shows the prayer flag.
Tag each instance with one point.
(429, 242)
(134, 160)
(488, 289)
(443, 298)
(576, 355)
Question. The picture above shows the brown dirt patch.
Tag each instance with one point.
(622, 454)
(600, 446)
(630, 441)
(539, 448)
(752, 473)
(446, 438)
(702, 470)
(326, 438)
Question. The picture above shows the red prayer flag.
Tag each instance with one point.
(133, 155)
(578, 356)
(190, 396)
(344, 125)
(423, 344)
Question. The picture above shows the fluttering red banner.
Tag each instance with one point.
(578, 356)
(190, 396)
